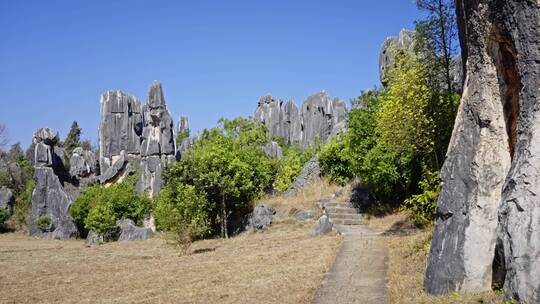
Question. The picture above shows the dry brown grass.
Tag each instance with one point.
(407, 264)
(305, 199)
(282, 265)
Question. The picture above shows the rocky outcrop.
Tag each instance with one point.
(130, 232)
(491, 175)
(84, 166)
(183, 126)
(310, 173)
(50, 201)
(6, 200)
(157, 147)
(261, 218)
(322, 226)
(387, 56)
(319, 118)
(121, 127)
(273, 150)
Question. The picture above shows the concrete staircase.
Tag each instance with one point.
(342, 213)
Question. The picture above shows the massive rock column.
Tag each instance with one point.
(157, 147)
(50, 201)
(320, 115)
(494, 146)
(269, 113)
(120, 131)
(292, 123)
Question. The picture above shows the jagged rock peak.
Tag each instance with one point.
(155, 95)
(387, 57)
(46, 136)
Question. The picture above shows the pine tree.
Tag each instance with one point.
(73, 138)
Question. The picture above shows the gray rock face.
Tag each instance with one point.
(322, 226)
(387, 56)
(94, 238)
(121, 127)
(305, 215)
(183, 126)
(261, 218)
(318, 118)
(157, 148)
(130, 232)
(6, 199)
(309, 174)
(186, 145)
(118, 171)
(491, 175)
(82, 163)
(49, 198)
(272, 149)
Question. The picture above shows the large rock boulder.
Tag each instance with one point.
(322, 226)
(130, 232)
(6, 199)
(50, 201)
(273, 150)
(492, 163)
(261, 218)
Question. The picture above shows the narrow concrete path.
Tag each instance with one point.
(360, 270)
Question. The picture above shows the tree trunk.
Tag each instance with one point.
(224, 233)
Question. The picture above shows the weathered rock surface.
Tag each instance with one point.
(157, 148)
(94, 238)
(121, 127)
(261, 218)
(387, 56)
(119, 170)
(272, 149)
(319, 118)
(6, 199)
(49, 198)
(309, 174)
(493, 157)
(183, 126)
(130, 232)
(186, 144)
(305, 215)
(322, 226)
(83, 163)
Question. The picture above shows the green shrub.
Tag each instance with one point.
(423, 207)
(119, 201)
(228, 166)
(335, 161)
(4, 215)
(22, 207)
(43, 223)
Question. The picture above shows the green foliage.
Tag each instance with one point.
(98, 207)
(43, 222)
(22, 207)
(5, 179)
(180, 204)
(4, 215)
(294, 159)
(423, 207)
(181, 136)
(335, 162)
(73, 138)
(228, 166)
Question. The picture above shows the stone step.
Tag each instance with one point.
(338, 204)
(346, 222)
(341, 210)
(345, 216)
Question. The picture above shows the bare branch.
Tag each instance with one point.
(3, 136)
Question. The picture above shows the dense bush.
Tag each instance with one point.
(3, 215)
(423, 207)
(335, 161)
(43, 223)
(98, 207)
(228, 166)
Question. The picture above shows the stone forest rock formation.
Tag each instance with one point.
(319, 118)
(50, 201)
(491, 176)
(158, 142)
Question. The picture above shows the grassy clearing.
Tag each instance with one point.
(282, 265)
(407, 264)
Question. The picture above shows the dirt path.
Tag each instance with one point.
(359, 272)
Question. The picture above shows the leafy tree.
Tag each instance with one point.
(73, 138)
(335, 161)
(423, 206)
(228, 165)
(15, 153)
(294, 159)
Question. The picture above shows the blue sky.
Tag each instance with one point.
(214, 58)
